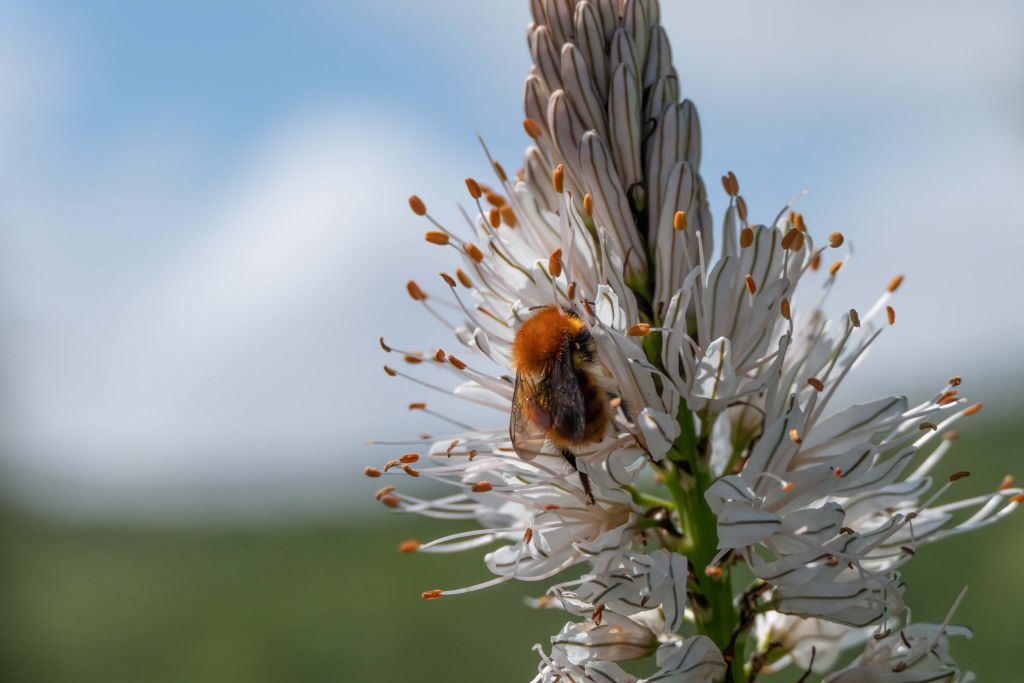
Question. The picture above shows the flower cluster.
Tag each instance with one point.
(722, 446)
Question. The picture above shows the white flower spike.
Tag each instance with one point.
(663, 411)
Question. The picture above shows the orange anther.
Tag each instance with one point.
(638, 330)
(473, 252)
(436, 237)
(417, 206)
(414, 291)
(371, 472)
(895, 283)
(532, 128)
(409, 546)
(679, 221)
(481, 487)
(555, 262)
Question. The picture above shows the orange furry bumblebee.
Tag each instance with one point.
(558, 397)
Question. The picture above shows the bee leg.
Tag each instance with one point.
(584, 479)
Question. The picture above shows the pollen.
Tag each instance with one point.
(439, 355)
(411, 359)
(816, 383)
(437, 237)
(494, 199)
(639, 330)
(588, 205)
(448, 279)
(679, 221)
(390, 501)
(955, 380)
(409, 546)
(784, 309)
(456, 362)
(410, 471)
(409, 458)
(390, 372)
(836, 239)
(473, 252)
(508, 216)
(957, 476)
(532, 128)
(558, 178)
(474, 188)
(387, 349)
(481, 487)
(432, 594)
(555, 262)
(834, 268)
(895, 283)
(731, 184)
(976, 408)
(371, 472)
(746, 237)
(751, 285)
(463, 278)
(741, 208)
(890, 313)
(417, 206)
(494, 217)
(414, 290)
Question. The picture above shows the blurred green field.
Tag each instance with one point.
(335, 602)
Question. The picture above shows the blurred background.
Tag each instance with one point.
(203, 231)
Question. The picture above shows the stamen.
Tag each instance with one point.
(679, 221)
(555, 262)
(527, 535)
(789, 238)
(409, 458)
(588, 205)
(463, 278)
(451, 447)
(974, 409)
(751, 285)
(508, 216)
(448, 279)
(436, 237)
(532, 128)
(474, 188)
(494, 199)
(456, 362)
(410, 471)
(387, 349)
(383, 492)
(798, 221)
(481, 487)
(414, 290)
(1019, 498)
(794, 436)
(500, 172)
(816, 383)
(494, 217)
(433, 594)
(741, 208)
(1006, 483)
(411, 359)
(957, 476)
(834, 268)
(836, 239)
(390, 501)
(784, 309)
(746, 237)
(955, 380)
(947, 397)
(891, 313)
(439, 355)
(371, 472)
(390, 371)
(473, 252)
(854, 317)
(714, 571)
(639, 330)
(895, 283)
(558, 178)
(731, 184)
(409, 546)
(815, 261)
(417, 206)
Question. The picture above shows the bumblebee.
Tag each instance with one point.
(558, 396)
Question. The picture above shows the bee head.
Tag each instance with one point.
(543, 337)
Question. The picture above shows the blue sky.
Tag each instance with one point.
(204, 231)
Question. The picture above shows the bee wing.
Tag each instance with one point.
(530, 419)
(568, 414)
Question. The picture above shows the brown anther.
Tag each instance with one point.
(473, 252)
(456, 362)
(895, 283)
(439, 355)
(436, 237)
(846, 530)
(500, 172)
(410, 546)
(789, 238)
(411, 359)
(395, 462)
(387, 349)
(832, 561)
(927, 427)
(481, 487)
(414, 290)
(854, 317)
(551, 506)
(714, 571)
(597, 614)
(410, 471)
(1019, 498)
(816, 383)
(409, 458)
(494, 217)
(974, 409)
(588, 205)
(1006, 483)
(532, 128)
(741, 208)
(471, 454)
(834, 268)
(955, 380)
(798, 221)
(371, 472)
(679, 221)
(838, 471)
(527, 535)
(448, 279)
(951, 435)
(463, 278)
(746, 237)
(383, 492)
(731, 184)
(508, 216)
(798, 242)
(836, 239)
(890, 313)
(815, 262)
(784, 309)
(638, 330)
(957, 476)
(571, 293)
(494, 199)
(432, 595)
(555, 262)
(788, 486)
(947, 397)
(417, 206)
(474, 188)
(751, 285)
(451, 447)
(558, 178)
(390, 501)
(794, 436)
(390, 372)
